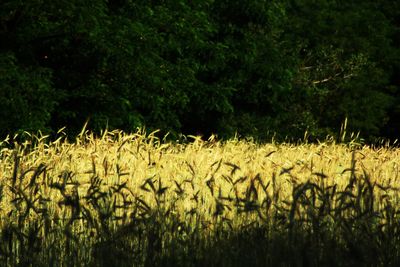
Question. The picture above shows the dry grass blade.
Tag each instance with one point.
(210, 184)
(233, 166)
(270, 153)
(190, 168)
(320, 175)
(161, 190)
(286, 170)
(15, 169)
(240, 180)
(39, 170)
(179, 189)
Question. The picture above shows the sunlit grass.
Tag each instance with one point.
(134, 199)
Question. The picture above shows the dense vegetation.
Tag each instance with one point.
(135, 200)
(203, 66)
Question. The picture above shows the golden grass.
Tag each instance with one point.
(234, 183)
(204, 169)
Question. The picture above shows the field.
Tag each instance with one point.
(137, 200)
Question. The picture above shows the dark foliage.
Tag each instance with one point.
(252, 67)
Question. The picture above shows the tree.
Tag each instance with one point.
(252, 67)
(342, 50)
(26, 96)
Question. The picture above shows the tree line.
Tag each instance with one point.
(257, 68)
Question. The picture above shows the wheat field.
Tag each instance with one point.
(138, 200)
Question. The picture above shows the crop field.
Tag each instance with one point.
(137, 200)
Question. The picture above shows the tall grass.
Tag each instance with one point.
(136, 200)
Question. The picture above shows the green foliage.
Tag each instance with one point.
(252, 67)
(343, 52)
(26, 96)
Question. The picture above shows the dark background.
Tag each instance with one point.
(258, 68)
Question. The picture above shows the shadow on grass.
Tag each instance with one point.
(321, 225)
